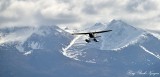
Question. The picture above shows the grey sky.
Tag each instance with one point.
(78, 13)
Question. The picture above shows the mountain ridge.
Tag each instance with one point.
(49, 51)
(122, 37)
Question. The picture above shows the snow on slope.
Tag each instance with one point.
(28, 39)
(8, 35)
(157, 56)
(70, 55)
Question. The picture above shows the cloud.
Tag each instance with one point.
(141, 5)
(90, 10)
(140, 13)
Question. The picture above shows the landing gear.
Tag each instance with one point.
(87, 40)
(95, 40)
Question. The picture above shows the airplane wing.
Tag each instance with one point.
(91, 32)
(102, 31)
(80, 33)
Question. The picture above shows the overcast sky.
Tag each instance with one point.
(78, 13)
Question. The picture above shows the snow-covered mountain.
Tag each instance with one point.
(27, 39)
(49, 51)
(126, 47)
(122, 37)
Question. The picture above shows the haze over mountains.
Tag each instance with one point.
(49, 51)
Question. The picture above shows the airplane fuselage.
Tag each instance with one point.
(91, 35)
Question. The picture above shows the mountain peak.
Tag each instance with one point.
(98, 24)
(117, 21)
(121, 35)
(113, 21)
(120, 24)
